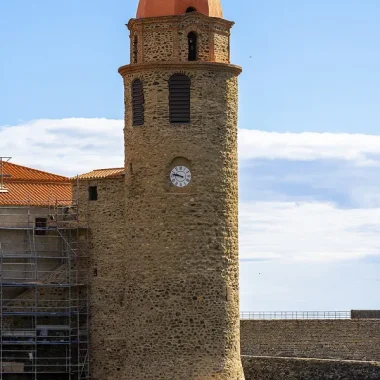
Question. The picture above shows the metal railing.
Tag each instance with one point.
(291, 315)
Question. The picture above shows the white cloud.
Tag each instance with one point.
(67, 146)
(366, 196)
(310, 231)
(280, 230)
(75, 145)
(362, 149)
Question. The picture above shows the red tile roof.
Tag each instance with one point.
(102, 173)
(26, 186)
(18, 173)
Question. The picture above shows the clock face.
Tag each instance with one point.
(180, 176)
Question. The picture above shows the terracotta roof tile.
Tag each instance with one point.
(26, 186)
(36, 194)
(102, 173)
(13, 172)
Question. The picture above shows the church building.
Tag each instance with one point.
(143, 280)
(164, 290)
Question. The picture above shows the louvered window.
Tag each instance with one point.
(179, 99)
(138, 102)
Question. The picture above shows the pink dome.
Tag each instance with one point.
(156, 8)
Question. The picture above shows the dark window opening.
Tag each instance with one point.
(93, 193)
(135, 49)
(192, 40)
(179, 99)
(131, 168)
(137, 102)
(40, 227)
(190, 9)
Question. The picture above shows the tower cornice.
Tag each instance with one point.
(180, 66)
(178, 18)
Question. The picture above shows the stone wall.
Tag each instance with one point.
(182, 278)
(325, 339)
(222, 48)
(269, 368)
(365, 314)
(165, 39)
(106, 273)
(182, 243)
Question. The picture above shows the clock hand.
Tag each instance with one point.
(179, 175)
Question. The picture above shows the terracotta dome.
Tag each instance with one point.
(156, 8)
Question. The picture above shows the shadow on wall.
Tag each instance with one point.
(258, 368)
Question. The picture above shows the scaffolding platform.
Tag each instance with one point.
(43, 292)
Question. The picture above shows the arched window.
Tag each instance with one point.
(135, 49)
(193, 48)
(179, 99)
(137, 102)
(190, 9)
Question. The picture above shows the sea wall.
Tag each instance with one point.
(355, 339)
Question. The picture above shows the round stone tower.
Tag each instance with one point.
(181, 169)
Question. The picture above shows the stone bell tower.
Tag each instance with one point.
(181, 170)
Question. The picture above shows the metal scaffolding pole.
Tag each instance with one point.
(43, 291)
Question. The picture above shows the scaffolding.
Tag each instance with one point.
(43, 292)
(2, 175)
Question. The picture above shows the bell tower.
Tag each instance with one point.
(181, 172)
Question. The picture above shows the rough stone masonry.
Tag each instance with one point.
(181, 280)
(164, 290)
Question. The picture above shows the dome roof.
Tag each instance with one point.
(156, 8)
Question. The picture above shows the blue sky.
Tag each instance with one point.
(309, 126)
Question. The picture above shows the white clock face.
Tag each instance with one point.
(180, 176)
